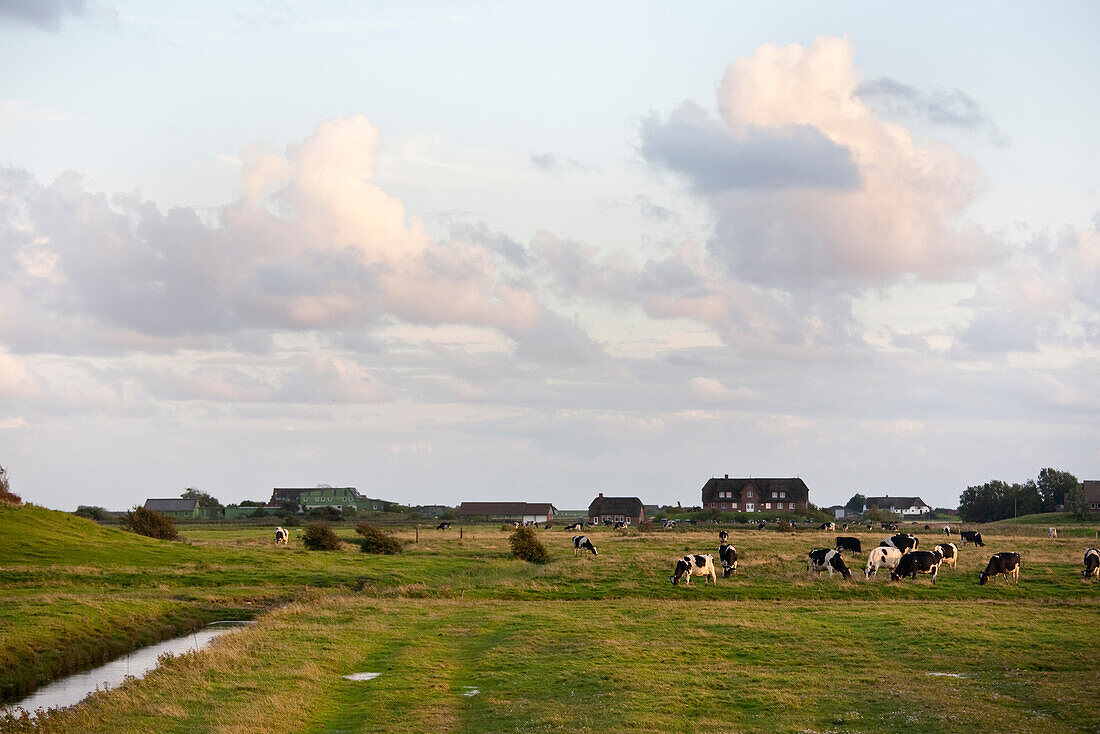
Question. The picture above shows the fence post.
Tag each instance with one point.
(417, 534)
(460, 533)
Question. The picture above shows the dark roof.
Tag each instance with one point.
(1091, 488)
(796, 489)
(506, 508)
(630, 506)
(895, 503)
(171, 505)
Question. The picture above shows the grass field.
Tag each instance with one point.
(468, 639)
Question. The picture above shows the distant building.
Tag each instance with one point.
(617, 509)
(175, 508)
(337, 498)
(837, 511)
(1091, 488)
(507, 511)
(904, 506)
(755, 494)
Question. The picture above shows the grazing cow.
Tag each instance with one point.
(444, 526)
(1092, 564)
(1007, 564)
(1052, 533)
(927, 527)
(695, 565)
(581, 543)
(918, 562)
(946, 529)
(727, 554)
(904, 542)
(880, 557)
(972, 536)
(548, 525)
(830, 526)
(723, 536)
(575, 526)
(950, 553)
(762, 526)
(844, 527)
(828, 559)
(844, 543)
(620, 526)
(281, 536)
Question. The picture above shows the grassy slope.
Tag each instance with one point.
(748, 653)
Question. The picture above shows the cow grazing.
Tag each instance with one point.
(281, 536)
(844, 543)
(828, 559)
(829, 526)
(695, 565)
(443, 526)
(548, 525)
(575, 526)
(727, 554)
(762, 526)
(1007, 564)
(880, 557)
(1052, 533)
(972, 536)
(723, 536)
(904, 542)
(950, 553)
(620, 526)
(946, 529)
(1092, 564)
(918, 561)
(581, 543)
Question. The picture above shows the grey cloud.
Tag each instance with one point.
(714, 159)
(494, 241)
(557, 339)
(556, 163)
(952, 108)
(46, 14)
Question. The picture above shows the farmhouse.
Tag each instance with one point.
(337, 498)
(904, 506)
(617, 509)
(755, 494)
(507, 511)
(177, 509)
(1091, 488)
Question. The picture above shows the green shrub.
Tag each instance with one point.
(150, 524)
(377, 540)
(527, 547)
(6, 495)
(320, 536)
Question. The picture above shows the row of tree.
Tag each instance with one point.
(997, 500)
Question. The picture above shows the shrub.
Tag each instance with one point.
(320, 536)
(150, 524)
(646, 526)
(377, 540)
(6, 495)
(527, 547)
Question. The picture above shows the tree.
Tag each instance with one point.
(6, 495)
(205, 500)
(1054, 485)
(149, 523)
(1077, 502)
(854, 506)
(986, 502)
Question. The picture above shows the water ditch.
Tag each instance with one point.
(73, 689)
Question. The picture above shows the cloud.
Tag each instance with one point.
(45, 14)
(780, 104)
(715, 158)
(952, 108)
(556, 163)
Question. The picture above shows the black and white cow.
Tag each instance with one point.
(972, 536)
(723, 536)
(281, 536)
(696, 565)
(444, 526)
(946, 529)
(727, 554)
(620, 526)
(845, 543)
(1052, 532)
(1007, 564)
(1092, 564)
(575, 526)
(904, 542)
(828, 559)
(830, 526)
(581, 543)
(762, 526)
(950, 553)
(918, 561)
(881, 557)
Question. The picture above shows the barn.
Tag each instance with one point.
(507, 511)
(616, 509)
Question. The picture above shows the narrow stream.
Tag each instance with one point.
(76, 687)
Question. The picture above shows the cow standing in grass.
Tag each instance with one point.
(281, 536)
(828, 559)
(881, 557)
(727, 554)
(581, 543)
(443, 526)
(904, 542)
(1003, 564)
(950, 553)
(972, 536)
(1092, 564)
(916, 562)
(847, 543)
(696, 565)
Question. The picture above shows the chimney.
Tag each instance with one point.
(601, 494)
(727, 476)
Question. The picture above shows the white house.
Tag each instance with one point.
(904, 506)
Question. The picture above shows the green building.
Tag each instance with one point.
(177, 509)
(335, 497)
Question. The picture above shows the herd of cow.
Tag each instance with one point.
(899, 553)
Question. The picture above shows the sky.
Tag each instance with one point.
(490, 251)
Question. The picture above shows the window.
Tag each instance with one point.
(767, 505)
(782, 494)
(749, 493)
(723, 505)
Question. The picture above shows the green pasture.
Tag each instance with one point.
(604, 643)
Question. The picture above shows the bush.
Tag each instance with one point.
(527, 547)
(320, 536)
(150, 524)
(6, 495)
(377, 540)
